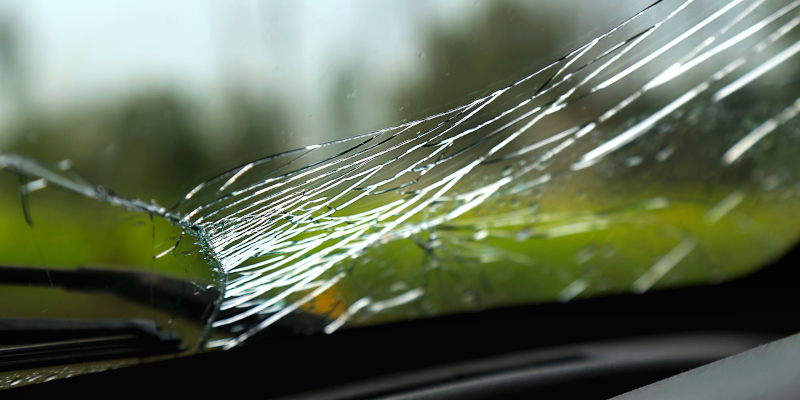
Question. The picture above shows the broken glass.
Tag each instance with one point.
(654, 150)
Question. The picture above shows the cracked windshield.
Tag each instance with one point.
(189, 176)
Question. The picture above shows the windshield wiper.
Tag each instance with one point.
(171, 295)
(34, 343)
(40, 343)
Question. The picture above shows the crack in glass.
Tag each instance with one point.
(625, 165)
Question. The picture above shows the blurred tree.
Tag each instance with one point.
(257, 128)
(512, 41)
(152, 145)
(343, 104)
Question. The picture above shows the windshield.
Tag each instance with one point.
(203, 174)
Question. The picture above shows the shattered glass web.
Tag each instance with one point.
(285, 230)
(280, 231)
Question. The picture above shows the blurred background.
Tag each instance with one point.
(150, 98)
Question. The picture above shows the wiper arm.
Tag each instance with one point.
(36, 343)
(174, 296)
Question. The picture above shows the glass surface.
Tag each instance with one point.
(214, 171)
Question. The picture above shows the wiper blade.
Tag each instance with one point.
(42, 343)
(171, 295)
